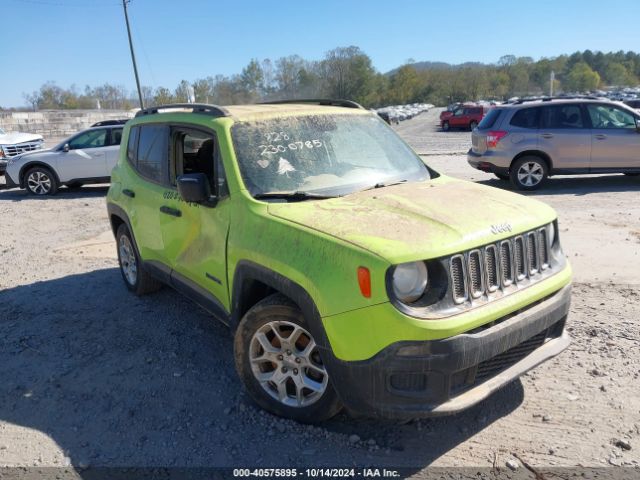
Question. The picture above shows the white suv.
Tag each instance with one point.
(86, 157)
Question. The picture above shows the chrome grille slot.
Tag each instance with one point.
(458, 278)
(519, 259)
(506, 263)
(533, 257)
(476, 274)
(491, 267)
(544, 249)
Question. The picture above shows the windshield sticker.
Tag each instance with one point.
(297, 145)
(276, 136)
(284, 167)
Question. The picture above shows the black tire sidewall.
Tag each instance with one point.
(446, 127)
(124, 231)
(513, 174)
(48, 173)
(277, 307)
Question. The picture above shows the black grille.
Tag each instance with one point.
(457, 278)
(506, 263)
(491, 262)
(544, 249)
(476, 274)
(482, 271)
(532, 252)
(504, 360)
(519, 258)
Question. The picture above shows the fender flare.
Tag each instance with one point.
(35, 163)
(247, 270)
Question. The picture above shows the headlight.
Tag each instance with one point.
(410, 281)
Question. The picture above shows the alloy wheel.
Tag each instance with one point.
(286, 362)
(530, 174)
(128, 262)
(39, 183)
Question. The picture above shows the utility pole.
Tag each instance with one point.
(551, 80)
(133, 56)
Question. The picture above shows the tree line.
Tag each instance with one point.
(348, 72)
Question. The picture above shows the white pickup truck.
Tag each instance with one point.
(16, 143)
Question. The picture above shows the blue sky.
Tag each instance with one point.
(84, 42)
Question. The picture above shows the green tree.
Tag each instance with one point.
(581, 78)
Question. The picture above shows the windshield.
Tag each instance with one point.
(327, 154)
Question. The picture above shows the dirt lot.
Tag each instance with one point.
(93, 376)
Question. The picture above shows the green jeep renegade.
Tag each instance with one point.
(350, 273)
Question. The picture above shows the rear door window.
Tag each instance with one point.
(562, 117)
(526, 118)
(490, 119)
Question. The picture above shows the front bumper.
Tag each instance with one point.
(9, 181)
(437, 377)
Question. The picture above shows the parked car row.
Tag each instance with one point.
(398, 113)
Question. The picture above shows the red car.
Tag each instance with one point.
(465, 117)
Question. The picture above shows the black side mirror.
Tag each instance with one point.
(194, 188)
(65, 148)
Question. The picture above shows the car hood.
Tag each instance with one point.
(423, 220)
(18, 137)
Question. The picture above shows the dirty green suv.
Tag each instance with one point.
(350, 274)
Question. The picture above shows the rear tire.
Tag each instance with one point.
(135, 277)
(446, 127)
(528, 173)
(280, 365)
(40, 181)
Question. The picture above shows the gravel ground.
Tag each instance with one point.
(94, 376)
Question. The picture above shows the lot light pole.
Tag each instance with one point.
(133, 56)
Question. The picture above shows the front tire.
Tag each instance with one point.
(528, 173)
(473, 125)
(445, 126)
(280, 365)
(41, 181)
(135, 277)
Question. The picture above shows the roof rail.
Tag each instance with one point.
(319, 101)
(559, 97)
(204, 108)
(105, 123)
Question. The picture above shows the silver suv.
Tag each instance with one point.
(530, 140)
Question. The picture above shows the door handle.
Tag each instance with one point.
(600, 136)
(547, 135)
(170, 211)
(129, 193)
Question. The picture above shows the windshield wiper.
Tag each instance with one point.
(296, 196)
(385, 184)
